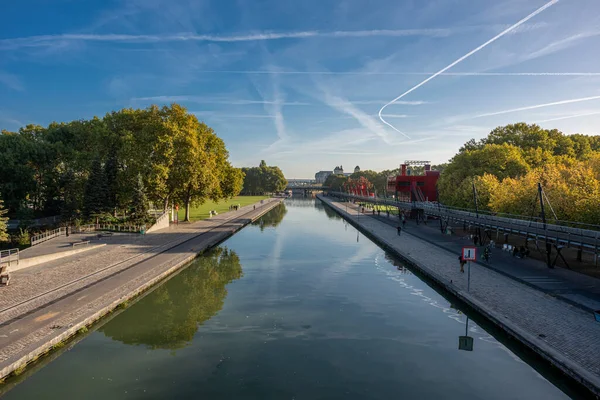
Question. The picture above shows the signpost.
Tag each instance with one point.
(469, 254)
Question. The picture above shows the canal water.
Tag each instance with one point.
(298, 305)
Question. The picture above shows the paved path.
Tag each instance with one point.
(577, 289)
(563, 334)
(70, 293)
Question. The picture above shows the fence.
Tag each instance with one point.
(9, 256)
(42, 237)
(107, 227)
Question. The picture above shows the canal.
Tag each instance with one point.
(298, 305)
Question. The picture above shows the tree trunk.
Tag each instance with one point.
(187, 210)
(188, 199)
(166, 204)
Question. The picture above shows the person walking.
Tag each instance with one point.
(403, 220)
(462, 263)
(486, 254)
(399, 230)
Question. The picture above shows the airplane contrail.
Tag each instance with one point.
(569, 116)
(469, 54)
(556, 103)
(259, 72)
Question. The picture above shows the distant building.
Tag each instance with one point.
(321, 176)
(338, 170)
(356, 169)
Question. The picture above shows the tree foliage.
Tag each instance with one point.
(91, 167)
(507, 165)
(263, 179)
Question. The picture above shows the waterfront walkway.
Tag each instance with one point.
(48, 303)
(564, 334)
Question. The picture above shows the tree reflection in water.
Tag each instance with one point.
(169, 317)
(272, 218)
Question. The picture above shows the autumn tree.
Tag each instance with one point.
(3, 221)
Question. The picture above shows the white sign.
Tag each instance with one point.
(469, 253)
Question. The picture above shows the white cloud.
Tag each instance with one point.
(12, 81)
(45, 40)
(208, 100)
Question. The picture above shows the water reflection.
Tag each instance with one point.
(273, 218)
(170, 316)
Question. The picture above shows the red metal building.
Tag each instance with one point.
(407, 187)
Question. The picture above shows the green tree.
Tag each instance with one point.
(335, 182)
(263, 179)
(71, 204)
(95, 196)
(139, 204)
(232, 181)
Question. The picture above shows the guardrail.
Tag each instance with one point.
(9, 256)
(42, 237)
(584, 239)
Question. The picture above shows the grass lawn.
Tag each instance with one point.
(201, 212)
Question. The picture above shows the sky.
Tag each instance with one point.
(301, 84)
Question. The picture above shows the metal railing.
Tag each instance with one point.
(42, 237)
(9, 256)
(564, 235)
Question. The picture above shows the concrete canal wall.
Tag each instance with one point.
(30, 332)
(565, 336)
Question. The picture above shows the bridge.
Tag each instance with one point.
(303, 184)
(293, 183)
(582, 237)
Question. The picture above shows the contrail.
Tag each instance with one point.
(556, 103)
(569, 117)
(259, 72)
(469, 54)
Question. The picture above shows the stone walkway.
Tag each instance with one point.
(29, 329)
(565, 335)
(575, 288)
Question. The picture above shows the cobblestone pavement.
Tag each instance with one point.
(121, 252)
(32, 331)
(560, 332)
(576, 288)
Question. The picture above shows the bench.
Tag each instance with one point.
(73, 244)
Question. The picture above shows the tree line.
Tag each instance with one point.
(263, 179)
(506, 166)
(377, 180)
(114, 166)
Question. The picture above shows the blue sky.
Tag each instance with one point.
(300, 84)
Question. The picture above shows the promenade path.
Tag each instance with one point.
(564, 334)
(46, 304)
(580, 290)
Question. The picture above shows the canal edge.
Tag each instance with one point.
(545, 352)
(57, 342)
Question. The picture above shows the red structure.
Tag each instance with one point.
(407, 187)
(360, 187)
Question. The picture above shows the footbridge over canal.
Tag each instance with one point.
(553, 237)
